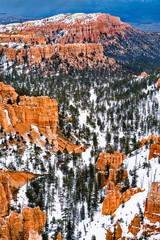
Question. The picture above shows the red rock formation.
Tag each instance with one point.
(19, 226)
(7, 92)
(114, 160)
(135, 225)
(115, 233)
(59, 236)
(77, 55)
(5, 195)
(151, 223)
(64, 28)
(150, 139)
(69, 145)
(111, 202)
(114, 197)
(154, 151)
(23, 225)
(144, 74)
(16, 180)
(75, 39)
(33, 115)
(107, 166)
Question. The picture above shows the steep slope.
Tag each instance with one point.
(28, 115)
(74, 40)
(13, 225)
(110, 115)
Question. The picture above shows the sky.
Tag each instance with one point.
(138, 11)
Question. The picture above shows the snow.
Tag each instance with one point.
(9, 121)
(127, 212)
(21, 196)
(83, 117)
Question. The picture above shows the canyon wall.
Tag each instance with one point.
(154, 151)
(35, 116)
(114, 197)
(13, 225)
(151, 223)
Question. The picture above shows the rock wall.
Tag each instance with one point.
(135, 225)
(114, 160)
(114, 233)
(23, 225)
(77, 55)
(18, 226)
(154, 151)
(151, 223)
(114, 198)
(29, 115)
(107, 166)
(5, 195)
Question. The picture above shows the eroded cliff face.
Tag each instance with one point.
(25, 225)
(151, 223)
(114, 197)
(114, 160)
(154, 151)
(107, 166)
(62, 41)
(111, 173)
(93, 37)
(5, 195)
(53, 58)
(65, 28)
(114, 233)
(35, 116)
(13, 225)
(135, 225)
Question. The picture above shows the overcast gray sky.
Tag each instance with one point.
(144, 11)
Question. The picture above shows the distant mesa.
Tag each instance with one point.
(74, 41)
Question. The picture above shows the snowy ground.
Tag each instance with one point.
(100, 224)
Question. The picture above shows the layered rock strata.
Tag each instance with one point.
(13, 225)
(135, 225)
(25, 225)
(154, 151)
(35, 116)
(107, 166)
(151, 223)
(114, 233)
(114, 198)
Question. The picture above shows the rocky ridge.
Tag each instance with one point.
(115, 197)
(151, 223)
(73, 40)
(111, 173)
(13, 225)
(107, 166)
(28, 115)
